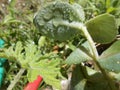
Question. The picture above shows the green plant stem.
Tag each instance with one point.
(16, 79)
(96, 56)
(81, 27)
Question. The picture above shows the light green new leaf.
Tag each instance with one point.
(18, 49)
(110, 59)
(48, 69)
(32, 53)
(13, 52)
(102, 28)
(23, 55)
(77, 57)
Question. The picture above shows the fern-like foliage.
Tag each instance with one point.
(30, 58)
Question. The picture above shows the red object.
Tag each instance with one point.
(35, 84)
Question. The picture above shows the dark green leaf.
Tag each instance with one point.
(110, 59)
(78, 80)
(95, 80)
(102, 28)
(97, 86)
(77, 57)
(94, 76)
(58, 11)
(111, 63)
(84, 78)
(112, 50)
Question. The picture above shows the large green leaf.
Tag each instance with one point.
(102, 28)
(49, 70)
(58, 11)
(77, 56)
(110, 59)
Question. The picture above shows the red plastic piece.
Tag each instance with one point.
(35, 84)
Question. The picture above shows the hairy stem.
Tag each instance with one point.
(83, 29)
(16, 79)
(96, 56)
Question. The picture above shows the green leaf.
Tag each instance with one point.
(95, 80)
(86, 48)
(79, 10)
(83, 3)
(77, 56)
(112, 50)
(31, 59)
(58, 11)
(78, 80)
(48, 69)
(97, 86)
(18, 49)
(118, 21)
(24, 55)
(14, 52)
(87, 79)
(102, 28)
(110, 59)
(94, 76)
(115, 3)
(27, 56)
